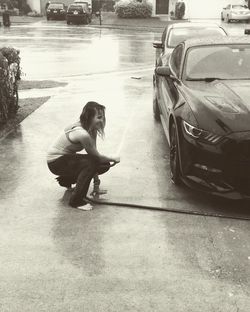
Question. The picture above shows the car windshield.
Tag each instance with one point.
(177, 35)
(56, 6)
(217, 62)
(238, 7)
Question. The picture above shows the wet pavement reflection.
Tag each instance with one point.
(56, 258)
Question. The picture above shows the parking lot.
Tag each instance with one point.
(112, 258)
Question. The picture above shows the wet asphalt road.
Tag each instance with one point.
(54, 258)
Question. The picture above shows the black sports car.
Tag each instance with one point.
(202, 98)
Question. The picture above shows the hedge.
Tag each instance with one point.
(9, 75)
(133, 9)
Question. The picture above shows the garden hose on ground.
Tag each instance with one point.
(172, 210)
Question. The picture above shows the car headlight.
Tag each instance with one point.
(200, 134)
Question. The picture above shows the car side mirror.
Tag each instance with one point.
(163, 71)
(158, 45)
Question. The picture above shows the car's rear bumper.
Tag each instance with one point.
(217, 169)
(76, 17)
(56, 16)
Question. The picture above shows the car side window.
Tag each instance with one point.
(175, 60)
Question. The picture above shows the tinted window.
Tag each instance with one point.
(175, 60)
(238, 7)
(177, 35)
(222, 61)
(56, 6)
(75, 7)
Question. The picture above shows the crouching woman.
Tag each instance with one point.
(72, 167)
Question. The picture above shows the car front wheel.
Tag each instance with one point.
(222, 18)
(174, 156)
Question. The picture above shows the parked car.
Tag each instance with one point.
(56, 11)
(176, 32)
(233, 12)
(78, 13)
(202, 99)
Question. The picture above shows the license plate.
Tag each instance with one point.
(75, 12)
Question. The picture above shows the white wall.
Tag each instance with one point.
(34, 5)
(202, 8)
(172, 5)
(208, 8)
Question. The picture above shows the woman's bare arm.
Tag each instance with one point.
(89, 145)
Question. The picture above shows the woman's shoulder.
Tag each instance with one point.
(78, 132)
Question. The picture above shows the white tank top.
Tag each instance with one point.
(64, 146)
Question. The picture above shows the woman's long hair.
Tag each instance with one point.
(88, 113)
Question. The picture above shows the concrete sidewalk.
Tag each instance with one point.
(56, 258)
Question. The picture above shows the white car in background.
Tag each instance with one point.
(235, 12)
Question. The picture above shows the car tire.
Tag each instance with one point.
(47, 18)
(221, 17)
(68, 22)
(156, 110)
(174, 156)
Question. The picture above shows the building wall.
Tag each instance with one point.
(201, 8)
(194, 8)
(208, 8)
(34, 5)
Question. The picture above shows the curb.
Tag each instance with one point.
(136, 28)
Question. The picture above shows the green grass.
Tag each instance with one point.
(43, 84)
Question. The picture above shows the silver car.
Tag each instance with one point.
(176, 32)
(233, 12)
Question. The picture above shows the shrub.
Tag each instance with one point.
(133, 9)
(9, 76)
(180, 10)
(34, 14)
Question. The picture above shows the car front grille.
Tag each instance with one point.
(237, 152)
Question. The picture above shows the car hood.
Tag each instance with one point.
(220, 106)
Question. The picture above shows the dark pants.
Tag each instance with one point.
(79, 169)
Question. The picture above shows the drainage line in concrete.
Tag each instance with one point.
(181, 211)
